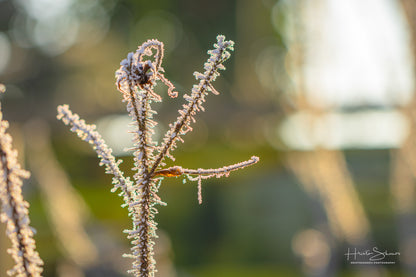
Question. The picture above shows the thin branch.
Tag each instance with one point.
(225, 170)
(136, 79)
(182, 124)
(176, 171)
(87, 133)
(15, 211)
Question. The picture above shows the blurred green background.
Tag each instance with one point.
(260, 221)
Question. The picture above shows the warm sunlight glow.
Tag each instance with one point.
(353, 69)
(357, 53)
(369, 129)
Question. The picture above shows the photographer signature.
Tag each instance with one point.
(373, 255)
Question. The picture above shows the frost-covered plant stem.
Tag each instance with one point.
(15, 210)
(87, 133)
(201, 173)
(136, 79)
(182, 124)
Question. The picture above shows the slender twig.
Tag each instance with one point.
(15, 210)
(87, 133)
(135, 80)
(176, 171)
(182, 124)
(201, 173)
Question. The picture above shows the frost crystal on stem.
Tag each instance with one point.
(204, 173)
(136, 79)
(15, 210)
(87, 133)
(186, 115)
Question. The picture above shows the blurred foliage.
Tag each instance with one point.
(246, 223)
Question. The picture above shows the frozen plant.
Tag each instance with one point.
(136, 79)
(14, 209)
